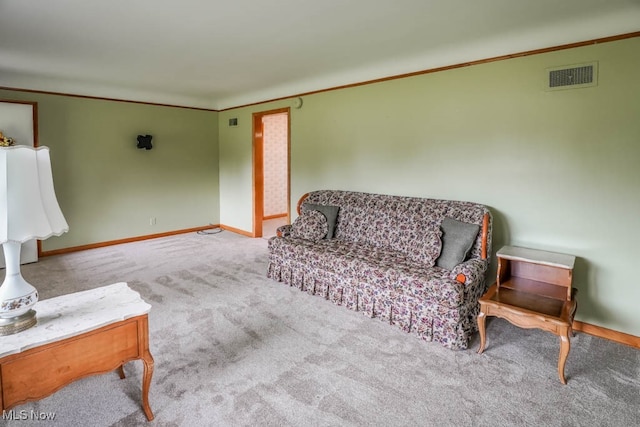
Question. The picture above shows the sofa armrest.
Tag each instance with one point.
(283, 230)
(470, 271)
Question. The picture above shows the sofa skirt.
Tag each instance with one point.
(451, 327)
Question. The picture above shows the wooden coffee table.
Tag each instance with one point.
(77, 335)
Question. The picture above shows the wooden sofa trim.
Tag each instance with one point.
(485, 233)
(298, 209)
(460, 277)
(300, 202)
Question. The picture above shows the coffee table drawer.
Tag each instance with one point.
(40, 371)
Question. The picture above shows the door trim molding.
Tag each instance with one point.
(258, 167)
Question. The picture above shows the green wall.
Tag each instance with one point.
(107, 188)
(557, 168)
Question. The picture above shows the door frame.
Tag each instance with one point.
(258, 167)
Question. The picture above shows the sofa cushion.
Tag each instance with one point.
(457, 239)
(384, 268)
(311, 225)
(329, 211)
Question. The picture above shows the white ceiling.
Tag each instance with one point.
(220, 54)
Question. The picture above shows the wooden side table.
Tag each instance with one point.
(533, 290)
(77, 335)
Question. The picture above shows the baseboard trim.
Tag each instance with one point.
(237, 230)
(609, 334)
(120, 241)
(282, 215)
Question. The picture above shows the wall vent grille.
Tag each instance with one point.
(572, 77)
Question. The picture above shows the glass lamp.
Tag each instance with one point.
(28, 210)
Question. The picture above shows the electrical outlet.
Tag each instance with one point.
(152, 220)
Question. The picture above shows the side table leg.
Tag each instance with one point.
(121, 372)
(147, 360)
(565, 346)
(481, 328)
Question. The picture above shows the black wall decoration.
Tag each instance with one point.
(144, 141)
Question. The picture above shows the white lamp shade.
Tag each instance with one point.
(28, 205)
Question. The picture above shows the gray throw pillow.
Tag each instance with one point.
(457, 240)
(329, 211)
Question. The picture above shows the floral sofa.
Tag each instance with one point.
(415, 263)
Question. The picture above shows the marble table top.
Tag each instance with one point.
(537, 256)
(74, 314)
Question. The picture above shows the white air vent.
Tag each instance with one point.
(572, 76)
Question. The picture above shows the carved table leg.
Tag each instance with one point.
(565, 346)
(147, 360)
(481, 328)
(121, 372)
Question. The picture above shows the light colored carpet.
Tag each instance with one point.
(233, 348)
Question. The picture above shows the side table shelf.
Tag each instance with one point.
(533, 289)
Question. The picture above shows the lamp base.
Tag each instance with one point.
(13, 325)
